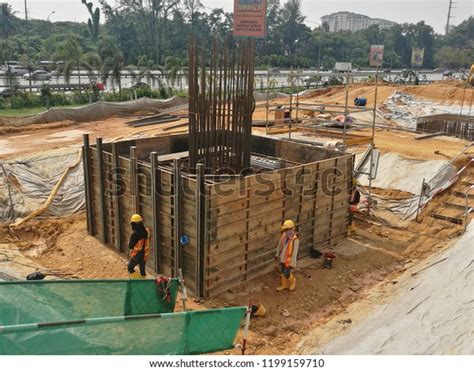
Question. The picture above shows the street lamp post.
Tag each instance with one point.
(49, 15)
(51, 26)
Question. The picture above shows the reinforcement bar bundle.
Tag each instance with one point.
(220, 105)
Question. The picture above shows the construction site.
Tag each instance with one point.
(214, 178)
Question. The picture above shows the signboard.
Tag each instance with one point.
(250, 18)
(417, 56)
(376, 55)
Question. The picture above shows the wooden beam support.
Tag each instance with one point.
(101, 171)
(86, 162)
(155, 222)
(117, 198)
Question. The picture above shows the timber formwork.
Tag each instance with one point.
(459, 126)
(232, 222)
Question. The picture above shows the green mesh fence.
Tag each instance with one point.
(107, 317)
(52, 301)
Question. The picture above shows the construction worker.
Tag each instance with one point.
(353, 204)
(139, 246)
(287, 253)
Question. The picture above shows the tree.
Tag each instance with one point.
(93, 23)
(292, 25)
(7, 20)
(192, 6)
(174, 66)
(75, 59)
(454, 58)
(113, 62)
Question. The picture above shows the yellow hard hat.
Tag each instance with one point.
(136, 218)
(288, 224)
(355, 182)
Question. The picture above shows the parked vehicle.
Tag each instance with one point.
(38, 75)
(140, 85)
(7, 92)
(15, 69)
(343, 67)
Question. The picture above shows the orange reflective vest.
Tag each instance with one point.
(142, 244)
(289, 249)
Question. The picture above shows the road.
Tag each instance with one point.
(276, 80)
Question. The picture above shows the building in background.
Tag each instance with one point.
(347, 21)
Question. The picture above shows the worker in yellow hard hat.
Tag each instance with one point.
(353, 204)
(139, 246)
(287, 254)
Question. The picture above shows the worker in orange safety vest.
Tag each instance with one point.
(139, 246)
(287, 254)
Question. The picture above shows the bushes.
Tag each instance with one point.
(47, 98)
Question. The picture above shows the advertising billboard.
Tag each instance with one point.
(376, 55)
(417, 56)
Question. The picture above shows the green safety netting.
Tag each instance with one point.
(51, 301)
(107, 317)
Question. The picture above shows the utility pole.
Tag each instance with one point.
(28, 46)
(451, 3)
(319, 55)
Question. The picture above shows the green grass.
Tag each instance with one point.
(29, 111)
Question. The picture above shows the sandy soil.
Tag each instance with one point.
(60, 135)
(15, 141)
(374, 253)
(371, 255)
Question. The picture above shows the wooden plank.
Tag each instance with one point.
(431, 135)
(448, 218)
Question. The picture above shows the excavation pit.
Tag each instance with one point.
(219, 227)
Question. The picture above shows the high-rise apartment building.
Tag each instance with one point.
(347, 21)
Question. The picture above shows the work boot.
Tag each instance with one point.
(284, 283)
(292, 282)
(134, 275)
(351, 228)
(142, 276)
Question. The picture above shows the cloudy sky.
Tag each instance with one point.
(433, 12)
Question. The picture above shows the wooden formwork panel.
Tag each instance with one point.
(244, 229)
(240, 229)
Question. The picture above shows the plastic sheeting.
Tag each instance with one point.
(94, 112)
(433, 312)
(405, 108)
(275, 95)
(398, 173)
(26, 183)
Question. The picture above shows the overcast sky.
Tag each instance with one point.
(433, 12)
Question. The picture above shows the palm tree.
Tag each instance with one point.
(145, 70)
(75, 59)
(7, 17)
(113, 67)
(175, 66)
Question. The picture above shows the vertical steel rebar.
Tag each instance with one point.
(221, 105)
